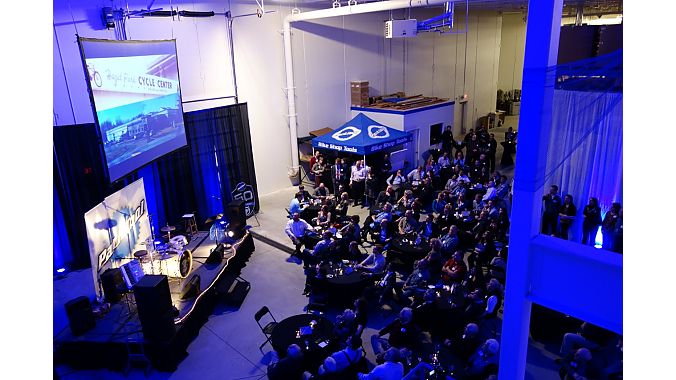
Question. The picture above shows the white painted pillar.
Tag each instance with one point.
(542, 42)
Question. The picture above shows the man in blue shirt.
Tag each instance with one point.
(370, 223)
(295, 206)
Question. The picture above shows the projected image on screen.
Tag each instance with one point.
(137, 100)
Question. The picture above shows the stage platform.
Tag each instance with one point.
(118, 332)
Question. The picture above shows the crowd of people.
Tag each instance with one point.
(558, 216)
(457, 205)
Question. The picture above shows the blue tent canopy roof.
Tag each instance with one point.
(362, 135)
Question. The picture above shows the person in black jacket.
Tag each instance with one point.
(288, 368)
(552, 207)
(591, 221)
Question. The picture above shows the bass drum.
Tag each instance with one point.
(179, 265)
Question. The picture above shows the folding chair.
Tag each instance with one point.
(269, 327)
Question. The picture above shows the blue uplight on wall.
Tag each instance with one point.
(598, 240)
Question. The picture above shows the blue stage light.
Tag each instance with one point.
(598, 240)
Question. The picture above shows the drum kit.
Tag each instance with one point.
(170, 259)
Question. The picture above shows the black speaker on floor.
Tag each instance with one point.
(112, 281)
(216, 255)
(236, 215)
(153, 302)
(80, 315)
(192, 288)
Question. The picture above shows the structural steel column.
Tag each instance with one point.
(542, 42)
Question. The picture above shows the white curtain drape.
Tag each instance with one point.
(585, 150)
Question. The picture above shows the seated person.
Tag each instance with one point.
(350, 355)
(386, 196)
(343, 204)
(484, 361)
(323, 218)
(415, 176)
(589, 336)
(455, 269)
(429, 228)
(345, 326)
(465, 344)
(383, 234)
(574, 366)
(371, 222)
(321, 191)
(439, 203)
(416, 283)
(387, 287)
(447, 218)
(407, 224)
(374, 263)
(305, 196)
(295, 230)
(402, 333)
(321, 252)
(450, 241)
(290, 367)
(406, 201)
(295, 205)
(491, 192)
(426, 313)
(390, 369)
(326, 371)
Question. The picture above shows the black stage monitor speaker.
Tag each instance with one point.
(216, 255)
(153, 302)
(192, 288)
(80, 315)
(111, 281)
(236, 215)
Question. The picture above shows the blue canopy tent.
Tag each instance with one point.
(362, 135)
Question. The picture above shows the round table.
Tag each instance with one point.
(341, 282)
(405, 250)
(288, 331)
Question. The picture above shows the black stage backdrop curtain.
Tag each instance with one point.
(79, 185)
(222, 158)
(201, 178)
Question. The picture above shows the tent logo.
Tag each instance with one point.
(346, 133)
(378, 132)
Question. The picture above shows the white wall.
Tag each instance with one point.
(327, 55)
(513, 45)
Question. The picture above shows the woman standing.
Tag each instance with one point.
(609, 225)
(566, 216)
(318, 170)
(591, 221)
(371, 188)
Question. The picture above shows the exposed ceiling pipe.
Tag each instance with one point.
(443, 20)
(325, 13)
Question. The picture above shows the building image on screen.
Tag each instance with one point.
(137, 100)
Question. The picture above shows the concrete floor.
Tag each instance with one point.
(227, 345)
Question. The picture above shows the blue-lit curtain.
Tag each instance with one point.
(585, 151)
(221, 155)
(60, 242)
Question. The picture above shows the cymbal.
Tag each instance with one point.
(167, 228)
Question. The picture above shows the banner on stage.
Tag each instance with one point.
(116, 228)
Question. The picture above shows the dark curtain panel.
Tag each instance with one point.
(222, 158)
(79, 184)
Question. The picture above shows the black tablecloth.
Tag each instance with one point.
(343, 284)
(286, 333)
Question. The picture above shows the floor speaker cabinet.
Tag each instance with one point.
(192, 288)
(216, 255)
(236, 215)
(153, 302)
(111, 281)
(80, 315)
(232, 290)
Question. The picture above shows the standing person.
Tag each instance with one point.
(552, 206)
(566, 216)
(609, 224)
(357, 178)
(371, 188)
(318, 170)
(295, 230)
(313, 160)
(385, 170)
(591, 221)
(337, 176)
(447, 140)
(491, 152)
